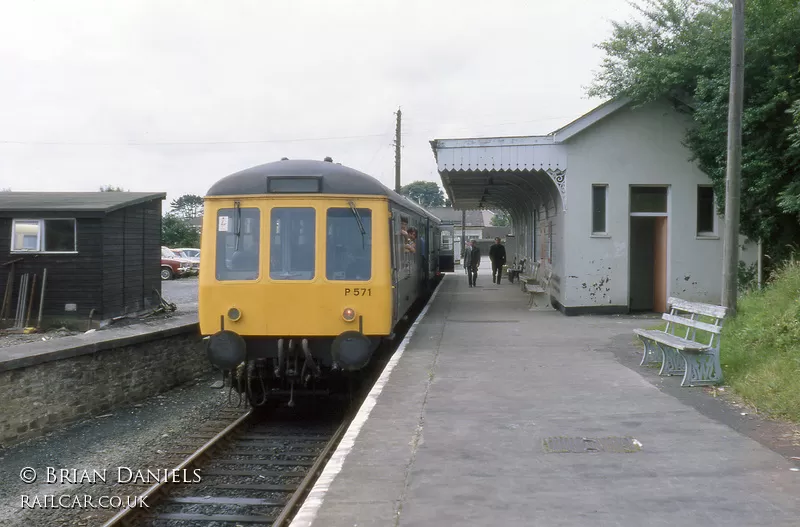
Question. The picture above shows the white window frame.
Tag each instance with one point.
(705, 235)
(603, 233)
(40, 241)
(446, 241)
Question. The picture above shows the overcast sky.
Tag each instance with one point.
(173, 95)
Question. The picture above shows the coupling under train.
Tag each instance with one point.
(307, 266)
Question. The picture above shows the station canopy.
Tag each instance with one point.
(512, 173)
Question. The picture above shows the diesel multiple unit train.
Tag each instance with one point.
(306, 267)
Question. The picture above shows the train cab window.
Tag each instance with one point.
(292, 243)
(348, 244)
(238, 236)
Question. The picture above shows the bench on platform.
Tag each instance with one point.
(515, 270)
(697, 361)
(532, 274)
(539, 286)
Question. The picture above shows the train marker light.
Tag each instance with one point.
(349, 314)
(234, 314)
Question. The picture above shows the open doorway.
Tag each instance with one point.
(648, 254)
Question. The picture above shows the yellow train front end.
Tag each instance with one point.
(297, 286)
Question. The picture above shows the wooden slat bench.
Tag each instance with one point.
(697, 361)
(540, 285)
(532, 274)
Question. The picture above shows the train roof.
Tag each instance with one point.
(308, 176)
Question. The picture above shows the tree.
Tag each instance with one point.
(500, 219)
(681, 49)
(188, 206)
(426, 193)
(111, 188)
(178, 232)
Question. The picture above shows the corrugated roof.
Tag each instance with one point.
(73, 201)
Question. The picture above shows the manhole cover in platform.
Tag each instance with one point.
(582, 445)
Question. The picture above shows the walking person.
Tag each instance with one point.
(467, 250)
(497, 254)
(472, 260)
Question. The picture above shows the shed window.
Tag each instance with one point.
(44, 236)
(705, 211)
(599, 194)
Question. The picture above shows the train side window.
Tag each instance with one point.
(292, 243)
(238, 236)
(348, 249)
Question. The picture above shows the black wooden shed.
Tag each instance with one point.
(101, 250)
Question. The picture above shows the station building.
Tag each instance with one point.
(611, 203)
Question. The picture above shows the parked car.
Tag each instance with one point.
(188, 252)
(173, 266)
(191, 254)
(194, 261)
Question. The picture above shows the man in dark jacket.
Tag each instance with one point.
(472, 260)
(497, 254)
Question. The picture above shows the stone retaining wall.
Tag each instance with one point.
(44, 388)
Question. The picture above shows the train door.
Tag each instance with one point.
(423, 250)
(406, 262)
(394, 227)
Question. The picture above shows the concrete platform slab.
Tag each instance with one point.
(34, 353)
(453, 432)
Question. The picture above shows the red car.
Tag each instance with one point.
(173, 265)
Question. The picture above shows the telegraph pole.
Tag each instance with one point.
(397, 153)
(733, 176)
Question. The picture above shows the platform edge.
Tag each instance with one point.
(308, 511)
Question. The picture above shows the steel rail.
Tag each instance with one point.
(128, 513)
(311, 475)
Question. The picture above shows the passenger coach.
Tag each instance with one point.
(306, 266)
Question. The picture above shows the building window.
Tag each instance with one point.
(446, 241)
(599, 197)
(706, 218)
(44, 236)
(649, 201)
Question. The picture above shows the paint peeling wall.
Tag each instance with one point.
(637, 147)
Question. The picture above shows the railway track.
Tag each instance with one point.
(255, 467)
(254, 472)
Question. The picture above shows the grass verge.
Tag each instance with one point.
(760, 347)
(760, 351)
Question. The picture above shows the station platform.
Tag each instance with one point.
(469, 420)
